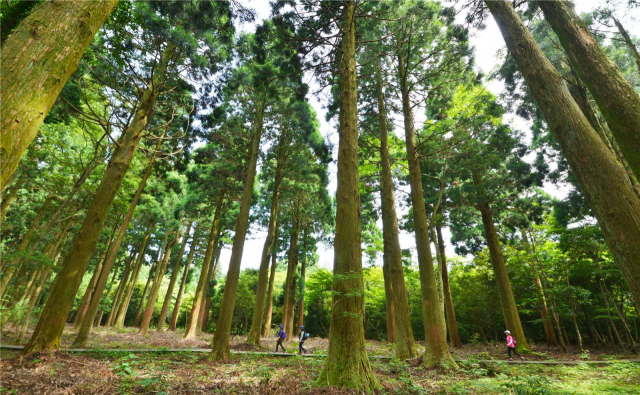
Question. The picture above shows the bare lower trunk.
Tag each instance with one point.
(174, 277)
(192, 322)
(347, 364)
(292, 267)
(507, 300)
(155, 289)
(301, 288)
(183, 284)
(452, 323)
(220, 344)
(37, 60)
(152, 270)
(266, 331)
(122, 311)
(436, 348)
(205, 306)
(573, 309)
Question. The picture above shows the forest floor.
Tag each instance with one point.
(107, 372)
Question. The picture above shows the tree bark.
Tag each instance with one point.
(507, 300)
(155, 289)
(152, 271)
(192, 322)
(122, 285)
(596, 169)
(263, 274)
(122, 311)
(347, 364)
(405, 344)
(37, 60)
(454, 335)
(205, 306)
(85, 329)
(436, 348)
(618, 101)
(266, 331)
(183, 284)
(172, 283)
(301, 288)
(292, 267)
(220, 344)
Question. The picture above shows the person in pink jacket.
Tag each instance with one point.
(511, 346)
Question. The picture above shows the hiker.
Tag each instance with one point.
(281, 336)
(303, 337)
(511, 346)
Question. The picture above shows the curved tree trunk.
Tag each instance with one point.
(619, 103)
(172, 283)
(347, 364)
(436, 348)
(452, 323)
(507, 300)
(597, 170)
(37, 60)
(183, 282)
(192, 322)
(220, 343)
(266, 330)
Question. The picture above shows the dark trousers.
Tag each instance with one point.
(512, 350)
(279, 344)
(301, 349)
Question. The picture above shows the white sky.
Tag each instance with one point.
(487, 44)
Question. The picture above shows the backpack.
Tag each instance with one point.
(283, 335)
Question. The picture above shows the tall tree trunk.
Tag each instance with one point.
(630, 44)
(220, 343)
(292, 267)
(618, 101)
(183, 283)
(172, 283)
(452, 323)
(205, 306)
(347, 364)
(439, 279)
(266, 331)
(155, 289)
(389, 298)
(405, 344)
(192, 322)
(436, 348)
(595, 167)
(88, 293)
(117, 299)
(83, 333)
(152, 271)
(263, 274)
(38, 59)
(611, 326)
(544, 311)
(122, 311)
(301, 288)
(507, 300)
(573, 308)
(51, 323)
(623, 321)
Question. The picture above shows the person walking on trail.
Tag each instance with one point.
(303, 337)
(281, 336)
(511, 346)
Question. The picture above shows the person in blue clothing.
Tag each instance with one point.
(303, 337)
(281, 336)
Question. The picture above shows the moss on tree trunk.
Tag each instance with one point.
(220, 343)
(37, 60)
(596, 169)
(347, 364)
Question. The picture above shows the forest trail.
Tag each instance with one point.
(207, 350)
